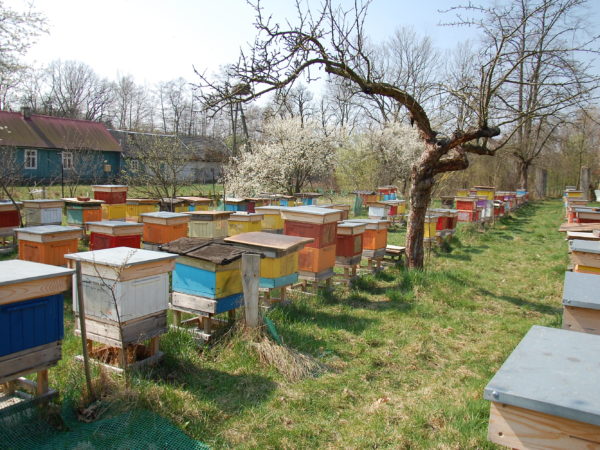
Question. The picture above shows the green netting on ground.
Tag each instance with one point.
(29, 426)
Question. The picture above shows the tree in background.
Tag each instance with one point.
(285, 160)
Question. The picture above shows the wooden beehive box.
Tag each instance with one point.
(387, 193)
(375, 237)
(196, 203)
(349, 243)
(127, 286)
(243, 222)
(31, 316)
(114, 211)
(207, 269)
(208, 224)
(137, 206)
(110, 193)
(272, 220)
(582, 235)
(585, 255)
(42, 212)
(316, 223)
(308, 198)
(109, 234)
(279, 267)
(430, 225)
(581, 302)
(47, 244)
(254, 202)
(80, 212)
(162, 227)
(488, 192)
(236, 204)
(287, 200)
(587, 214)
(572, 194)
(545, 394)
(9, 215)
(345, 209)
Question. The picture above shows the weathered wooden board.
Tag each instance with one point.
(581, 319)
(29, 361)
(24, 280)
(579, 227)
(282, 243)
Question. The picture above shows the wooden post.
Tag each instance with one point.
(250, 280)
(82, 327)
(42, 382)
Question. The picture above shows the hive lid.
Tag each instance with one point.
(215, 251)
(115, 224)
(164, 215)
(18, 271)
(351, 228)
(268, 209)
(43, 202)
(582, 290)
(587, 209)
(142, 201)
(364, 192)
(196, 199)
(308, 194)
(372, 224)
(273, 241)
(208, 215)
(579, 245)
(120, 256)
(551, 371)
(320, 215)
(234, 200)
(47, 229)
(91, 201)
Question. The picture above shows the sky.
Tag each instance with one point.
(160, 40)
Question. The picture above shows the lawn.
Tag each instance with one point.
(404, 356)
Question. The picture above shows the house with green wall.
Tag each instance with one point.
(46, 148)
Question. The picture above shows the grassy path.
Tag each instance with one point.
(408, 354)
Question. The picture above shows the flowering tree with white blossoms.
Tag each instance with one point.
(288, 156)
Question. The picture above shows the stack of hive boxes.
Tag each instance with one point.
(162, 227)
(48, 244)
(115, 200)
(317, 259)
(207, 279)
(114, 233)
(349, 246)
(126, 295)
(80, 211)
(467, 209)
(31, 321)
(42, 212)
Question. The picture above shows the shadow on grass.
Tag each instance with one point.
(518, 301)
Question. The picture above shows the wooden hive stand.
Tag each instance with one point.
(279, 265)
(207, 281)
(31, 320)
(545, 394)
(126, 298)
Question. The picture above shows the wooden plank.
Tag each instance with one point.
(29, 361)
(250, 280)
(33, 289)
(516, 427)
(261, 239)
(581, 319)
(194, 303)
(579, 227)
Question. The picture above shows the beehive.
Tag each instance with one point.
(569, 194)
(137, 206)
(463, 192)
(42, 212)
(488, 192)
(430, 225)
(375, 237)
(349, 243)
(308, 198)
(447, 201)
(587, 214)
(196, 203)
(272, 220)
(9, 215)
(111, 194)
(208, 224)
(116, 211)
(254, 202)
(581, 303)
(345, 209)
(387, 193)
(467, 209)
(162, 227)
(279, 267)
(287, 200)
(498, 208)
(367, 196)
(544, 394)
(31, 317)
(80, 212)
(236, 204)
(243, 222)
(125, 291)
(585, 255)
(109, 234)
(47, 244)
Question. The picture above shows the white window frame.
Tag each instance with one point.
(67, 160)
(134, 165)
(30, 155)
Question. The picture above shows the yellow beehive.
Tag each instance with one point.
(463, 192)
(279, 267)
(430, 226)
(114, 212)
(244, 223)
(272, 219)
(574, 194)
(485, 191)
(137, 206)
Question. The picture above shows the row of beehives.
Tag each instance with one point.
(546, 394)
(577, 210)
(484, 204)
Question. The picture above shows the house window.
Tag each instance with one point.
(67, 160)
(134, 165)
(31, 159)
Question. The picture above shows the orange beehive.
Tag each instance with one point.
(162, 227)
(316, 259)
(47, 244)
(375, 236)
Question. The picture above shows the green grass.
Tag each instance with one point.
(407, 353)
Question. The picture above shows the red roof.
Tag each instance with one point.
(40, 131)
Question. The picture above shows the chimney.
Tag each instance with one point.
(26, 112)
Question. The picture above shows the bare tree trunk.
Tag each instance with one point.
(422, 180)
(523, 168)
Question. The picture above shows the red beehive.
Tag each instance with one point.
(110, 234)
(111, 194)
(466, 203)
(349, 241)
(9, 215)
(316, 223)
